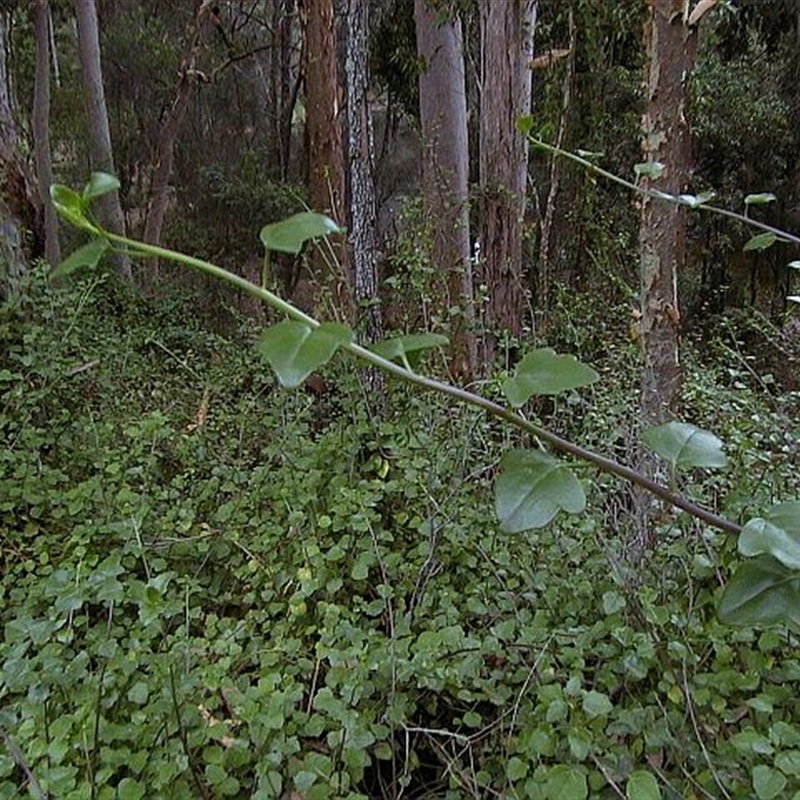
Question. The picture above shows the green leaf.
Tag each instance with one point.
(566, 783)
(545, 372)
(87, 256)
(525, 124)
(685, 446)
(289, 235)
(69, 204)
(597, 704)
(402, 347)
(649, 169)
(761, 241)
(294, 349)
(696, 200)
(533, 488)
(130, 789)
(99, 184)
(642, 785)
(759, 199)
(761, 592)
(768, 783)
(778, 535)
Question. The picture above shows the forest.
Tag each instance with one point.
(398, 399)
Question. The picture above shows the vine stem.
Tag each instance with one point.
(448, 390)
(680, 200)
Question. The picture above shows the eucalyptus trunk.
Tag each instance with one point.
(445, 171)
(18, 204)
(671, 47)
(507, 28)
(100, 150)
(41, 128)
(326, 152)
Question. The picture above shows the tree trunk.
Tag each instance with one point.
(167, 136)
(445, 168)
(507, 28)
(326, 156)
(18, 202)
(671, 48)
(41, 128)
(100, 152)
(361, 184)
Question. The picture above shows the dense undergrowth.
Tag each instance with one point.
(212, 588)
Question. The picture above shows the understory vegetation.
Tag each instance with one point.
(213, 588)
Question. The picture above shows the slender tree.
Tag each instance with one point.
(671, 47)
(168, 133)
(507, 28)
(361, 182)
(443, 118)
(326, 150)
(100, 151)
(41, 127)
(19, 207)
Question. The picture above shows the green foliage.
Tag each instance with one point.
(277, 595)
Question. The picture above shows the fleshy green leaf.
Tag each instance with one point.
(761, 241)
(642, 785)
(99, 184)
(545, 372)
(768, 783)
(289, 235)
(87, 256)
(401, 348)
(761, 592)
(759, 199)
(695, 200)
(649, 169)
(777, 534)
(69, 204)
(294, 350)
(525, 124)
(685, 446)
(566, 783)
(533, 488)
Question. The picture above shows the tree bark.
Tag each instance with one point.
(507, 28)
(361, 183)
(445, 170)
(100, 151)
(671, 47)
(326, 155)
(19, 212)
(41, 128)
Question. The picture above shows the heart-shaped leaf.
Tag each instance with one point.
(642, 785)
(649, 169)
(696, 200)
(402, 348)
(685, 446)
(777, 534)
(545, 372)
(761, 592)
(762, 241)
(533, 488)
(70, 205)
(759, 199)
(566, 783)
(99, 184)
(294, 349)
(289, 235)
(87, 256)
